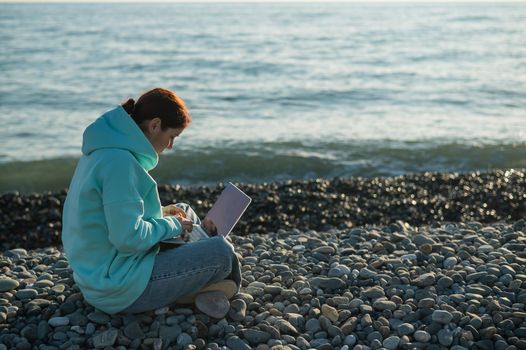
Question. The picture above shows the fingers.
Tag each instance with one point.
(185, 236)
(175, 211)
(187, 225)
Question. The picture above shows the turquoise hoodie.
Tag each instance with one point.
(112, 219)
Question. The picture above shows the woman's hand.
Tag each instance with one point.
(187, 227)
(173, 210)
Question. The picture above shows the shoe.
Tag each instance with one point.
(228, 287)
(215, 304)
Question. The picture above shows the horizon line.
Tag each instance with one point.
(496, 2)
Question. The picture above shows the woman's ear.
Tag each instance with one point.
(154, 125)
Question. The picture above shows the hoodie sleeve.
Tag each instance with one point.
(124, 210)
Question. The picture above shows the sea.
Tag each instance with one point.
(277, 91)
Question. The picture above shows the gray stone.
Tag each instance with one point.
(423, 239)
(184, 339)
(105, 339)
(90, 328)
(374, 293)
(58, 321)
(313, 325)
(330, 312)
(384, 305)
(292, 308)
(324, 250)
(67, 308)
(445, 337)
(422, 336)
(42, 330)
(133, 331)
(302, 343)
(366, 273)
(336, 272)
(297, 320)
(485, 248)
(442, 316)
(238, 310)
(77, 319)
(316, 343)
(424, 280)
(273, 289)
(29, 332)
(327, 282)
(99, 317)
(375, 335)
(392, 342)
(235, 343)
(28, 293)
(59, 288)
(406, 329)
(255, 337)
(444, 282)
(43, 284)
(450, 262)
(286, 328)
(426, 303)
(169, 333)
(255, 291)
(350, 340)
(410, 257)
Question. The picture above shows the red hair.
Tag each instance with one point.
(159, 103)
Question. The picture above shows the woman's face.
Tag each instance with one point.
(159, 138)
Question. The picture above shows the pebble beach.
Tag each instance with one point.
(425, 261)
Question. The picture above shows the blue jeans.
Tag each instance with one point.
(186, 269)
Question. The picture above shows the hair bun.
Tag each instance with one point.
(129, 106)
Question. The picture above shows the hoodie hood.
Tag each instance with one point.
(116, 129)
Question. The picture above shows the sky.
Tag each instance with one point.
(258, 1)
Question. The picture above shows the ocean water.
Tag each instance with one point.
(276, 91)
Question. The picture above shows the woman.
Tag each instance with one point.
(113, 220)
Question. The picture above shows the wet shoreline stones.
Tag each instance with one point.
(392, 290)
(34, 220)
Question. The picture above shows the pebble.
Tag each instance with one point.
(313, 325)
(106, 338)
(442, 316)
(445, 337)
(58, 321)
(330, 312)
(422, 336)
(99, 317)
(238, 310)
(384, 305)
(234, 343)
(366, 273)
(28, 293)
(392, 342)
(298, 299)
(425, 280)
(406, 329)
(183, 340)
(450, 262)
(327, 282)
(374, 293)
(255, 337)
(444, 282)
(350, 340)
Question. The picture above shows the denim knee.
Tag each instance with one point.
(224, 248)
(229, 248)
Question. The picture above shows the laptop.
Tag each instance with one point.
(225, 213)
